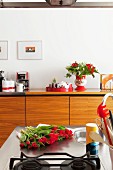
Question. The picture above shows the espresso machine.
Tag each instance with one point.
(1, 78)
(23, 77)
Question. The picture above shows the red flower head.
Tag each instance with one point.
(92, 70)
(22, 145)
(28, 142)
(89, 66)
(34, 145)
(74, 64)
(42, 140)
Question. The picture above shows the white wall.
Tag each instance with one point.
(68, 35)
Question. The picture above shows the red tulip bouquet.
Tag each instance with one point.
(35, 137)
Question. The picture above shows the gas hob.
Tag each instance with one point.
(55, 161)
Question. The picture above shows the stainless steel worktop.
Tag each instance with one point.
(11, 148)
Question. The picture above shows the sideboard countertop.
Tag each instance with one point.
(42, 91)
(89, 91)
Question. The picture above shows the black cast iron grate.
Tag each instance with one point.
(85, 162)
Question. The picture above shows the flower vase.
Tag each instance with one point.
(80, 82)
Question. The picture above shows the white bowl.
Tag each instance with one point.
(80, 135)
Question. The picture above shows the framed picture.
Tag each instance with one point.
(3, 50)
(29, 50)
(106, 81)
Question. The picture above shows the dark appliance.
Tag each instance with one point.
(85, 162)
(23, 77)
(1, 78)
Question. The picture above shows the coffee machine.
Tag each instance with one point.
(23, 77)
(1, 78)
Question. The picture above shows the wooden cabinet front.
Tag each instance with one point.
(83, 109)
(47, 110)
(12, 114)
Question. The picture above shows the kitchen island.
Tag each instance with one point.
(11, 148)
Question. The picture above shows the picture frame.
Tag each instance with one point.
(106, 81)
(29, 50)
(4, 50)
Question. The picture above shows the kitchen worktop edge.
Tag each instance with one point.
(12, 93)
(42, 91)
(89, 91)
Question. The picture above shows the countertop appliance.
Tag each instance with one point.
(23, 77)
(1, 78)
(64, 155)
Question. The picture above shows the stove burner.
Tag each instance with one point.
(90, 163)
(31, 165)
(85, 162)
(78, 164)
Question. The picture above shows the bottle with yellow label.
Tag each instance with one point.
(91, 145)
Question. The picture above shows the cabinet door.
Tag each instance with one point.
(12, 114)
(83, 109)
(47, 110)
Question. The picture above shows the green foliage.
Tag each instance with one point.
(54, 80)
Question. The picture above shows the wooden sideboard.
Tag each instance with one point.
(38, 106)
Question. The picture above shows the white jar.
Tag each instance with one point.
(19, 87)
(12, 86)
(5, 86)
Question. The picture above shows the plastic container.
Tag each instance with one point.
(61, 89)
(91, 145)
(12, 86)
(5, 86)
(19, 87)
